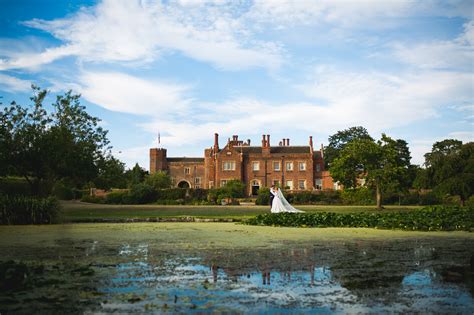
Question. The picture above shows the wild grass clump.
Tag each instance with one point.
(20, 209)
(433, 218)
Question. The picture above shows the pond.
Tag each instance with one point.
(70, 274)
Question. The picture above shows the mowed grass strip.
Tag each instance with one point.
(74, 211)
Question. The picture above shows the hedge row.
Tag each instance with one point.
(433, 218)
(28, 210)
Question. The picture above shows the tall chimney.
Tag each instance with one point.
(263, 141)
(248, 141)
(268, 140)
(216, 142)
(287, 142)
(322, 151)
(311, 141)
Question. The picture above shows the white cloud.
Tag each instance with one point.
(132, 31)
(123, 93)
(347, 14)
(454, 54)
(12, 84)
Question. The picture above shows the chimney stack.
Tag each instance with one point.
(248, 141)
(263, 141)
(311, 141)
(322, 151)
(216, 142)
(268, 140)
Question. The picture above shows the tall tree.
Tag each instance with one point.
(383, 165)
(45, 147)
(340, 139)
(450, 168)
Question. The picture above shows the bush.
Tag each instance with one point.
(14, 186)
(470, 202)
(141, 194)
(432, 218)
(358, 196)
(171, 194)
(159, 180)
(63, 191)
(116, 197)
(263, 197)
(18, 209)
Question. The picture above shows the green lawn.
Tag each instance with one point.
(74, 211)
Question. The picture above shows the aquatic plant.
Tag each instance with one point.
(28, 210)
(432, 218)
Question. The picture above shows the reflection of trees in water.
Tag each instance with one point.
(368, 269)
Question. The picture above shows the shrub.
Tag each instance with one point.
(141, 194)
(115, 197)
(470, 202)
(159, 180)
(432, 218)
(358, 196)
(18, 209)
(14, 186)
(171, 194)
(63, 190)
(263, 197)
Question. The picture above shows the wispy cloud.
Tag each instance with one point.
(12, 84)
(133, 31)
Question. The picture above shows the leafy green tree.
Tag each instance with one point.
(159, 180)
(383, 165)
(234, 189)
(44, 147)
(136, 175)
(111, 174)
(450, 168)
(340, 139)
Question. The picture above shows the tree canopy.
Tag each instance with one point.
(449, 169)
(44, 147)
(340, 139)
(383, 164)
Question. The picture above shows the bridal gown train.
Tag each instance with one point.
(280, 204)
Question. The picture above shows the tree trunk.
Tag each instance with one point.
(378, 196)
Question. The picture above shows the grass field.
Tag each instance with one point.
(74, 211)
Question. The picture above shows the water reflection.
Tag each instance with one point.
(354, 277)
(360, 276)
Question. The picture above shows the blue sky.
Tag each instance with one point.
(292, 69)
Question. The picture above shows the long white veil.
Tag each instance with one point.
(286, 204)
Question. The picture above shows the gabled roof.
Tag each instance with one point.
(185, 159)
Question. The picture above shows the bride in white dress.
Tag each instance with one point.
(280, 204)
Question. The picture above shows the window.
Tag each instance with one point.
(289, 166)
(276, 166)
(223, 182)
(302, 184)
(255, 166)
(302, 166)
(197, 186)
(276, 182)
(197, 180)
(229, 166)
(318, 184)
(211, 184)
(289, 184)
(187, 171)
(255, 183)
(318, 167)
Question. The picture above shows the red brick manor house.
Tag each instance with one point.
(294, 167)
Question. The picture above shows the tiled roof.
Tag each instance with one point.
(185, 159)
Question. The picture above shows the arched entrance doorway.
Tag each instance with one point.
(255, 185)
(183, 184)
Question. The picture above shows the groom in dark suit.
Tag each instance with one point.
(271, 196)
